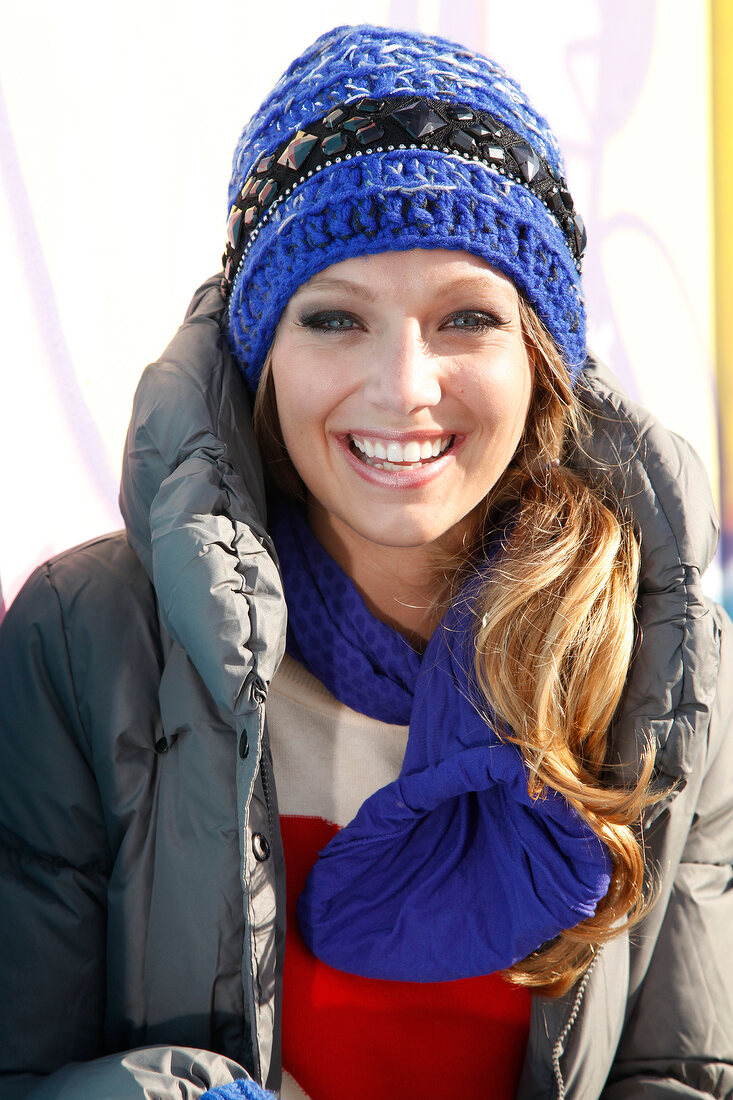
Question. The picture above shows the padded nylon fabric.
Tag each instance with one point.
(192, 498)
(133, 913)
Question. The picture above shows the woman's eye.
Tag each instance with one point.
(472, 321)
(329, 321)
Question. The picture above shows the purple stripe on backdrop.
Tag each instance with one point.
(34, 271)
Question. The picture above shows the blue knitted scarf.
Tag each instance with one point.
(452, 870)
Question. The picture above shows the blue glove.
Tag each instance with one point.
(244, 1088)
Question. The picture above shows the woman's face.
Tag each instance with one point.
(402, 383)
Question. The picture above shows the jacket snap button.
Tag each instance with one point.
(260, 847)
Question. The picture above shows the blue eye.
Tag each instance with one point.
(472, 321)
(330, 320)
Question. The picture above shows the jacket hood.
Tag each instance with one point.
(193, 501)
(664, 488)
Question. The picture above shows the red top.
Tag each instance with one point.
(352, 1038)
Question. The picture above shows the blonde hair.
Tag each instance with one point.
(554, 641)
(554, 635)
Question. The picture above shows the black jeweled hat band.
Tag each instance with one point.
(378, 126)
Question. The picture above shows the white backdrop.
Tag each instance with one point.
(117, 124)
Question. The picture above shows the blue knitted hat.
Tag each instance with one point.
(375, 140)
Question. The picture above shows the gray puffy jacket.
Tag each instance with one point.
(141, 879)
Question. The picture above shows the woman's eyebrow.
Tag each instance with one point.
(328, 282)
(476, 284)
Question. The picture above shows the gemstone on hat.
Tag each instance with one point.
(581, 238)
(556, 203)
(369, 106)
(555, 173)
(333, 118)
(334, 143)
(356, 122)
(228, 270)
(527, 159)
(459, 113)
(419, 120)
(494, 152)
(263, 164)
(297, 150)
(250, 216)
(462, 141)
(234, 226)
(479, 130)
(268, 192)
(252, 187)
(369, 134)
(494, 126)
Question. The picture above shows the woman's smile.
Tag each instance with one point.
(399, 463)
(392, 454)
(402, 383)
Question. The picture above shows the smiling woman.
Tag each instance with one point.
(398, 705)
(402, 385)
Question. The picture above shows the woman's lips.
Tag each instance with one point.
(391, 454)
(398, 463)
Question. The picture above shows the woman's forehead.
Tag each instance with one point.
(418, 271)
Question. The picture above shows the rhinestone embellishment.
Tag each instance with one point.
(527, 159)
(334, 117)
(351, 131)
(581, 238)
(370, 105)
(369, 134)
(267, 194)
(419, 120)
(264, 164)
(334, 143)
(298, 149)
(459, 113)
(233, 226)
(463, 141)
(356, 123)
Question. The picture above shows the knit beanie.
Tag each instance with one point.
(376, 139)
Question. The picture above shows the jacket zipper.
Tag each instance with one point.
(259, 694)
(264, 771)
(559, 1048)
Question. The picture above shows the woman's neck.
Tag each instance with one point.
(397, 583)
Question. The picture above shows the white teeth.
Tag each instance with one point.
(391, 455)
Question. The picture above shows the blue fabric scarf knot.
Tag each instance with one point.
(452, 870)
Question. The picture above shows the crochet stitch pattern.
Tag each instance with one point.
(399, 199)
(369, 126)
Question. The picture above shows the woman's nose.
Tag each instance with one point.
(405, 376)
